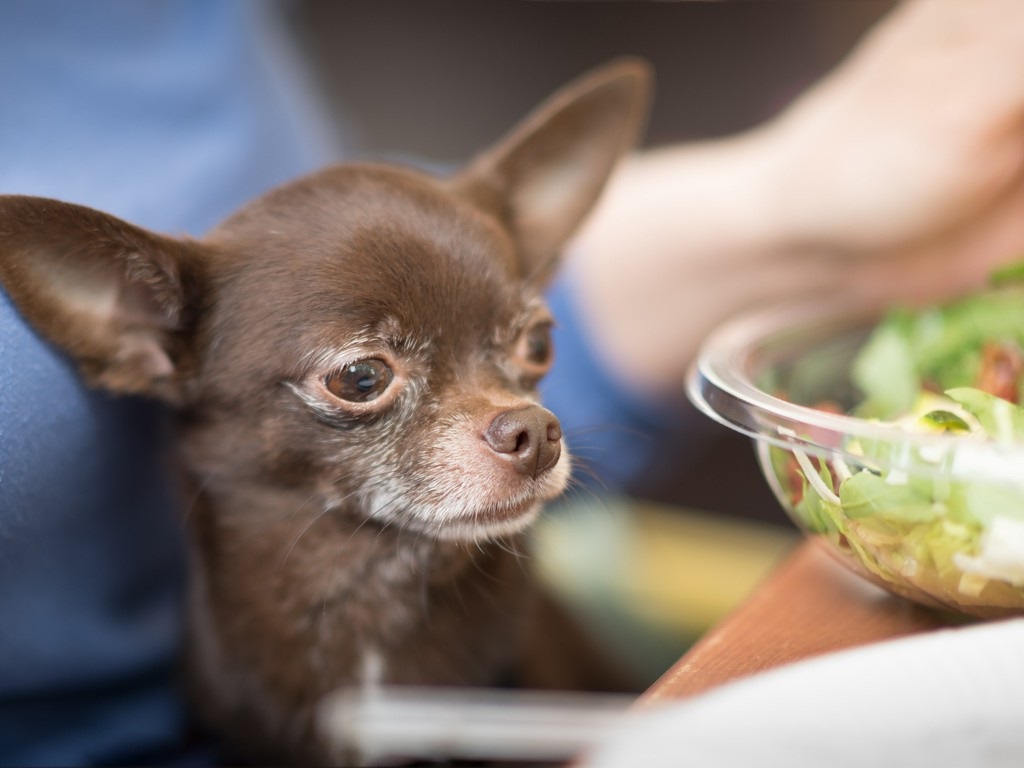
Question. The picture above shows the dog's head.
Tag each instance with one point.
(369, 336)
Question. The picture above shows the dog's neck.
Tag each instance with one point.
(341, 591)
(334, 551)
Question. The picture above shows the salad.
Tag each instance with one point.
(897, 506)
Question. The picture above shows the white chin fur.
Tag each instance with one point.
(475, 530)
(467, 513)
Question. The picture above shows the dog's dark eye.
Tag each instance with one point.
(535, 346)
(360, 382)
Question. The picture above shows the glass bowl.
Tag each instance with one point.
(936, 518)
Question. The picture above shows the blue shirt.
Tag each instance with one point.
(168, 113)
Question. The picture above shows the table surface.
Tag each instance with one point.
(809, 606)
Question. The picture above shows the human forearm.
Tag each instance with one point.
(900, 176)
(684, 238)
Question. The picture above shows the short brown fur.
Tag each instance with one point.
(343, 541)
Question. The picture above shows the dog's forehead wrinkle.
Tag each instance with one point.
(424, 272)
(384, 338)
(369, 205)
(530, 308)
(404, 268)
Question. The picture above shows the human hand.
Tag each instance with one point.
(898, 178)
(913, 149)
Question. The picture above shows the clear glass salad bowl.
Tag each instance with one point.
(920, 506)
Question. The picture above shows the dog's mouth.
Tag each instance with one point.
(475, 511)
(497, 518)
(490, 524)
(454, 486)
(459, 522)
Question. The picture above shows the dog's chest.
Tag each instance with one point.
(443, 616)
(353, 607)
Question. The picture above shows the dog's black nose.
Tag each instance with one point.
(528, 437)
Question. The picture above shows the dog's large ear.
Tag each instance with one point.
(546, 174)
(118, 298)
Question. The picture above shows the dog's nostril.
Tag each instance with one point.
(529, 438)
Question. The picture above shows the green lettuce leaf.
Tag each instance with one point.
(934, 348)
(1000, 419)
(867, 495)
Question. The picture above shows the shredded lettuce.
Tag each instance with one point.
(935, 349)
(894, 504)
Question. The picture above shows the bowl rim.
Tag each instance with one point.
(719, 384)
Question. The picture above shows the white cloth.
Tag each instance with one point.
(949, 698)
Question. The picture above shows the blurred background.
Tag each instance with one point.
(439, 79)
(434, 81)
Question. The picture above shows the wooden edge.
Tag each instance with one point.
(809, 606)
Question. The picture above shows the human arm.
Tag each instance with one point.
(899, 177)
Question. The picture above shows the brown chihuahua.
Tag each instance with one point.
(354, 360)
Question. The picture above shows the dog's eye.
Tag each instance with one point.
(360, 382)
(535, 346)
